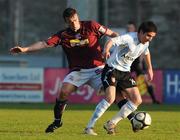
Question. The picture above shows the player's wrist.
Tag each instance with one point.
(24, 49)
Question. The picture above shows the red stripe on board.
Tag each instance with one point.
(20, 86)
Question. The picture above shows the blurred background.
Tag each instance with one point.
(25, 22)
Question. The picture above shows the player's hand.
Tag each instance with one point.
(149, 75)
(106, 55)
(16, 50)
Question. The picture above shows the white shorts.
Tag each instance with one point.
(91, 77)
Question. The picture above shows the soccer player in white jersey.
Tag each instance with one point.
(117, 73)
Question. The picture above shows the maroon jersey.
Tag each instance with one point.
(82, 48)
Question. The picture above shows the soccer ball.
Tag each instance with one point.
(141, 120)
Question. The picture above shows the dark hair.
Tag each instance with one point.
(132, 22)
(147, 26)
(69, 12)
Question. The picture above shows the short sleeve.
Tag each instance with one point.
(122, 40)
(146, 51)
(99, 29)
(117, 41)
(54, 40)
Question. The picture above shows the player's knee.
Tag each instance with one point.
(110, 100)
(137, 100)
(64, 94)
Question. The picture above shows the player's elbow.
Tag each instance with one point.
(43, 44)
(114, 34)
(108, 45)
(137, 100)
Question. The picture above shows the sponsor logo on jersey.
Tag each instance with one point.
(128, 58)
(78, 43)
(125, 45)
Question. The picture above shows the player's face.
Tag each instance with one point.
(73, 22)
(146, 37)
(131, 28)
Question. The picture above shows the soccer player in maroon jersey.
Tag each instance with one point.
(80, 42)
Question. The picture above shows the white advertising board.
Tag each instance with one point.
(21, 84)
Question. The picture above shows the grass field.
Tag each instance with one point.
(28, 122)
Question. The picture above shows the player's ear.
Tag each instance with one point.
(141, 32)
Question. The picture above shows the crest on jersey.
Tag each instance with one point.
(132, 81)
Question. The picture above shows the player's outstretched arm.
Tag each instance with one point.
(149, 67)
(111, 33)
(107, 48)
(34, 47)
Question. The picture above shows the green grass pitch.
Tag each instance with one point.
(28, 122)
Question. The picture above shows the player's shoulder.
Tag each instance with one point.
(146, 44)
(65, 32)
(93, 26)
(61, 31)
(131, 36)
(89, 22)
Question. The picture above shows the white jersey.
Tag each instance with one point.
(127, 49)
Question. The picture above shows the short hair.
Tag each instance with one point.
(132, 22)
(69, 12)
(147, 26)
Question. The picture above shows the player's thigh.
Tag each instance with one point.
(96, 82)
(95, 78)
(76, 78)
(134, 95)
(66, 89)
(120, 95)
(71, 82)
(110, 94)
